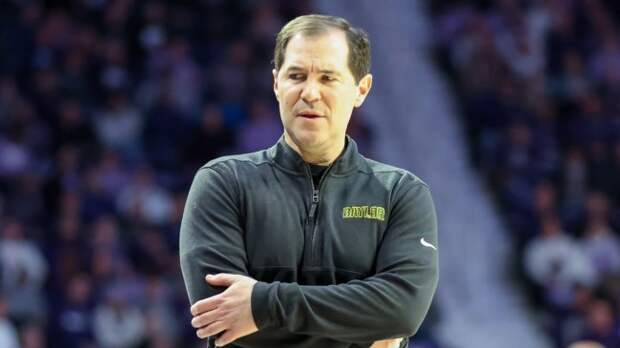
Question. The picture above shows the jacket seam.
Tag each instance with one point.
(270, 161)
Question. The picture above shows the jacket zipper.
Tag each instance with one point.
(312, 215)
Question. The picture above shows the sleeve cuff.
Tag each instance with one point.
(261, 308)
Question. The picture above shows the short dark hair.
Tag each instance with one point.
(313, 25)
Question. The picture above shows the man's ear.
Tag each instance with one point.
(275, 83)
(363, 88)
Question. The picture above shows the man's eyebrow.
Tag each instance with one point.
(329, 72)
(294, 68)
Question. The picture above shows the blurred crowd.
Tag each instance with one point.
(107, 109)
(539, 84)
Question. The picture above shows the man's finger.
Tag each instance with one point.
(211, 330)
(221, 279)
(205, 319)
(228, 337)
(205, 305)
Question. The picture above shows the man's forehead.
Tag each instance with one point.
(325, 51)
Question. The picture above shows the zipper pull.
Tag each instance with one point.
(315, 203)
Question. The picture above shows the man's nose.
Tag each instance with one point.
(311, 92)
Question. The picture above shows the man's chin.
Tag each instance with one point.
(309, 141)
(306, 137)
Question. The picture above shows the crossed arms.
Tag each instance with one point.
(389, 304)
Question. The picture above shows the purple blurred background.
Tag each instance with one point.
(107, 109)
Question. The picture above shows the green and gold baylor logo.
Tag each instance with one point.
(364, 212)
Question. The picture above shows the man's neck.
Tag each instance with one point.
(317, 156)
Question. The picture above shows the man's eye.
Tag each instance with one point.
(296, 76)
(328, 78)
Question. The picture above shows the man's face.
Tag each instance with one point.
(317, 91)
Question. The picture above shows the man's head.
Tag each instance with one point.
(321, 74)
(316, 25)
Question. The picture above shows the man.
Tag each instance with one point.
(307, 243)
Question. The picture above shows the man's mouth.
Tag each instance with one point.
(310, 114)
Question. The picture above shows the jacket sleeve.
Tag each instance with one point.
(211, 238)
(392, 303)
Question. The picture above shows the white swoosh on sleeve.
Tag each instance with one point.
(427, 244)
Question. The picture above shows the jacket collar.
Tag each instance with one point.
(285, 157)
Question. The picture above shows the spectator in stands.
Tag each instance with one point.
(615, 169)
(144, 200)
(554, 261)
(111, 174)
(574, 184)
(572, 323)
(67, 251)
(119, 125)
(74, 321)
(16, 156)
(262, 129)
(182, 77)
(8, 334)
(151, 254)
(96, 202)
(573, 84)
(211, 139)
(601, 244)
(165, 134)
(27, 202)
(72, 127)
(33, 336)
(23, 269)
(162, 324)
(601, 324)
(118, 322)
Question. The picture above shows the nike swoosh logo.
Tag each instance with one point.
(427, 244)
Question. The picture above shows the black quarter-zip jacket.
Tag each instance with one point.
(344, 263)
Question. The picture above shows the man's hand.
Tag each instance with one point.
(229, 312)
(391, 343)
